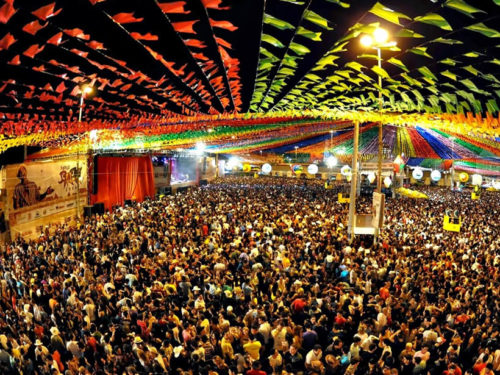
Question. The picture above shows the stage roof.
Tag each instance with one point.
(172, 73)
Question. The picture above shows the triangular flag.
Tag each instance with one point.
(33, 27)
(126, 18)
(7, 41)
(174, 7)
(33, 51)
(184, 26)
(147, 36)
(15, 61)
(77, 33)
(95, 45)
(194, 43)
(7, 11)
(46, 11)
(213, 4)
(223, 25)
(56, 39)
(61, 88)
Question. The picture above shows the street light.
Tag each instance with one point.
(86, 90)
(378, 40)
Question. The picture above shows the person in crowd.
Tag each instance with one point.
(257, 276)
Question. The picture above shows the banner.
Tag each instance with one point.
(39, 189)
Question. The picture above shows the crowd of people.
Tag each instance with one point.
(257, 276)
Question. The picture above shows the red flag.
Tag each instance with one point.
(223, 25)
(46, 11)
(116, 82)
(222, 42)
(95, 45)
(184, 27)
(7, 11)
(79, 53)
(174, 7)
(48, 87)
(126, 18)
(33, 27)
(7, 41)
(147, 36)
(33, 51)
(61, 88)
(200, 56)
(77, 33)
(126, 87)
(56, 39)
(194, 43)
(94, 2)
(15, 61)
(214, 4)
(40, 68)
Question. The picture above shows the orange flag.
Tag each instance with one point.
(222, 42)
(61, 88)
(46, 11)
(214, 4)
(194, 43)
(33, 27)
(223, 25)
(7, 11)
(184, 27)
(147, 36)
(77, 33)
(33, 51)
(95, 45)
(174, 7)
(15, 61)
(7, 41)
(126, 18)
(56, 39)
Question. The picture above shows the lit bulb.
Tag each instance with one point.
(366, 40)
(87, 89)
(331, 161)
(381, 35)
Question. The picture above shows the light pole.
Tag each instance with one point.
(452, 139)
(84, 91)
(378, 40)
(296, 147)
(352, 196)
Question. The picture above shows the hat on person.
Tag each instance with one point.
(38, 343)
(229, 308)
(196, 288)
(177, 351)
(54, 331)
(137, 339)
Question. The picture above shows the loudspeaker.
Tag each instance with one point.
(94, 176)
(98, 208)
(88, 211)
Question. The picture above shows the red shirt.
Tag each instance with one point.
(384, 293)
(298, 305)
(256, 372)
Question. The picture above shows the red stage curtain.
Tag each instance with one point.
(119, 179)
